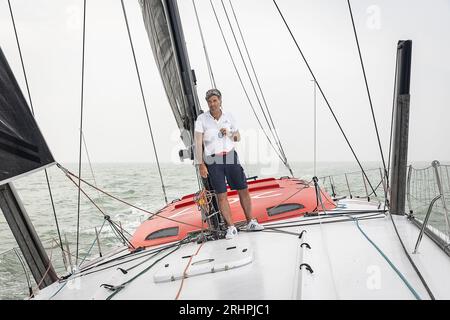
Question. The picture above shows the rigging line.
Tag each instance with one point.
(122, 228)
(377, 216)
(284, 200)
(185, 270)
(250, 78)
(256, 77)
(375, 188)
(92, 245)
(33, 293)
(240, 78)
(81, 130)
(208, 62)
(99, 209)
(119, 229)
(242, 84)
(323, 95)
(144, 102)
(120, 232)
(134, 256)
(32, 111)
(152, 254)
(54, 210)
(79, 275)
(20, 54)
(89, 159)
(416, 295)
(367, 87)
(278, 228)
(122, 286)
(30, 287)
(275, 230)
(332, 215)
(95, 181)
(322, 232)
(67, 172)
(149, 258)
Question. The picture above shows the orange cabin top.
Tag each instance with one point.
(291, 197)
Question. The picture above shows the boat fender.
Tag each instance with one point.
(308, 267)
(307, 245)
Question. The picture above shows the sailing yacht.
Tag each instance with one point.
(315, 245)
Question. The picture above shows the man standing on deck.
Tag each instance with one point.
(217, 130)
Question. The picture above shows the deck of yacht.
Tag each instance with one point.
(333, 259)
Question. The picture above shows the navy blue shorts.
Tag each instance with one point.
(221, 167)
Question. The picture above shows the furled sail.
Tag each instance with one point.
(163, 26)
(22, 146)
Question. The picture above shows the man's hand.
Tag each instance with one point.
(224, 132)
(203, 170)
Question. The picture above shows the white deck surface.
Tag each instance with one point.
(265, 265)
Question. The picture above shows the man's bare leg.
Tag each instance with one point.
(246, 203)
(224, 207)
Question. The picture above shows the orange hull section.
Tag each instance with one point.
(265, 193)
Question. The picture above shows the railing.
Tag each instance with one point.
(424, 188)
(355, 184)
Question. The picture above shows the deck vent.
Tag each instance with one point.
(282, 208)
(163, 233)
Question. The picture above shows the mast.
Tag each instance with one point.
(189, 83)
(163, 24)
(401, 128)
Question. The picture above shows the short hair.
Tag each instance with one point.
(213, 92)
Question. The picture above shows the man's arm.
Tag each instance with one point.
(198, 156)
(198, 137)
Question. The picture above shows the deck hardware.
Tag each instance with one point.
(301, 234)
(307, 245)
(307, 266)
(123, 270)
(111, 287)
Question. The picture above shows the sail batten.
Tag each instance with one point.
(22, 147)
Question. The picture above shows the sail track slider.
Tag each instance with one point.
(307, 266)
(307, 245)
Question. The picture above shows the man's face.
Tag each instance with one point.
(214, 103)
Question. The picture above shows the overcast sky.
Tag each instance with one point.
(115, 128)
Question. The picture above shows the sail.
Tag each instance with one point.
(22, 146)
(163, 25)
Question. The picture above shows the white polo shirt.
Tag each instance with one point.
(214, 142)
